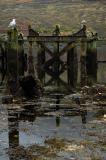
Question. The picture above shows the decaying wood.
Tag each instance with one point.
(55, 66)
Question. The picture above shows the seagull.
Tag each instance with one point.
(12, 24)
(83, 22)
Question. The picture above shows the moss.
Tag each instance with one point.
(58, 144)
(96, 158)
(91, 47)
(100, 113)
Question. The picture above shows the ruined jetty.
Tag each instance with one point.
(36, 60)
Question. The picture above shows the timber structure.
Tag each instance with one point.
(57, 56)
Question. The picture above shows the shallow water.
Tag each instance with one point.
(26, 135)
(54, 136)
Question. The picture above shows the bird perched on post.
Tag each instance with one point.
(12, 24)
(83, 23)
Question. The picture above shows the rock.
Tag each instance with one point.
(7, 99)
(85, 90)
(96, 89)
(78, 98)
(31, 86)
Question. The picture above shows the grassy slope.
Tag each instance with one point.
(47, 13)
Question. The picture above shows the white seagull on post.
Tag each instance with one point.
(12, 24)
(83, 22)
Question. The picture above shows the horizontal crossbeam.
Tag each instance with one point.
(52, 39)
(59, 80)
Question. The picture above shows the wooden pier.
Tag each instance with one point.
(57, 57)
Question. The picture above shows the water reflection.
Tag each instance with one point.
(83, 116)
(28, 114)
(13, 134)
(57, 97)
(13, 126)
(22, 132)
(14, 117)
(58, 121)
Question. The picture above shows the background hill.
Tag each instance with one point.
(44, 14)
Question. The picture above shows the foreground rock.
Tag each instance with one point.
(31, 87)
(26, 87)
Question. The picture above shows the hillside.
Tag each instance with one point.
(44, 14)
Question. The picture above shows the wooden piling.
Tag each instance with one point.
(3, 61)
(40, 63)
(56, 64)
(15, 60)
(12, 53)
(83, 78)
(72, 67)
(83, 71)
(91, 59)
(21, 55)
(30, 60)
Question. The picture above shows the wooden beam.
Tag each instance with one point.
(52, 39)
(46, 48)
(66, 48)
(49, 82)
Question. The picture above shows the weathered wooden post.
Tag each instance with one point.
(30, 60)
(12, 53)
(12, 60)
(30, 84)
(21, 55)
(40, 63)
(15, 60)
(56, 64)
(3, 61)
(91, 61)
(72, 66)
(83, 78)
